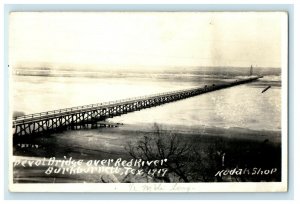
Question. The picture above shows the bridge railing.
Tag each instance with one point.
(97, 105)
(103, 104)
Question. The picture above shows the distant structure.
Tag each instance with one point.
(251, 71)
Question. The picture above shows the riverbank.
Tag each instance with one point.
(211, 149)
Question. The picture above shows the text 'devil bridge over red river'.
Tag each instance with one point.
(91, 114)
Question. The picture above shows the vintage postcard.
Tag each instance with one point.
(148, 101)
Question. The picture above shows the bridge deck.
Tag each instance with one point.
(91, 107)
(64, 117)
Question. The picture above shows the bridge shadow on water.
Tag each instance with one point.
(44, 143)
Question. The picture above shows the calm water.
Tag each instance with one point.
(242, 106)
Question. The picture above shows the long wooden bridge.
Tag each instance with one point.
(90, 114)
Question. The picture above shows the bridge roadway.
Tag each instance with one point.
(90, 114)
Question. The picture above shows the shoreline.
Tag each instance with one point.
(128, 132)
(244, 149)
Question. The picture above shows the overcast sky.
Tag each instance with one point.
(123, 40)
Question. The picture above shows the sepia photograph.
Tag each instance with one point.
(148, 101)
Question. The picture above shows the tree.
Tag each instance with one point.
(163, 145)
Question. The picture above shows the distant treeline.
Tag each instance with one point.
(230, 71)
(183, 71)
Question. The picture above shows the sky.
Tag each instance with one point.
(145, 40)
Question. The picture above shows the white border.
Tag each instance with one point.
(185, 187)
(153, 187)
